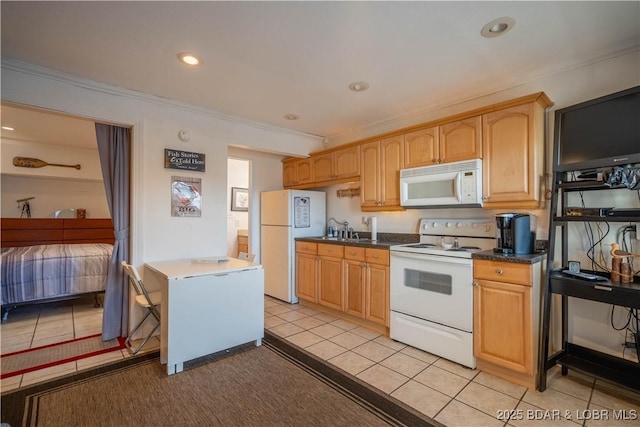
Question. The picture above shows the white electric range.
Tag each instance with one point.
(431, 286)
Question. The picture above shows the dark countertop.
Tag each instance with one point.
(385, 240)
(490, 255)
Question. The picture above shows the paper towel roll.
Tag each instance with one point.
(374, 228)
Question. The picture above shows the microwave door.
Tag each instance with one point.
(431, 189)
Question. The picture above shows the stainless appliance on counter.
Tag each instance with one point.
(455, 184)
(431, 289)
(515, 234)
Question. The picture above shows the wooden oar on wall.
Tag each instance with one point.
(29, 162)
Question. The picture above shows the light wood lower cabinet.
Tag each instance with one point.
(307, 271)
(366, 284)
(506, 303)
(330, 275)
(351, 279)
(243, 244)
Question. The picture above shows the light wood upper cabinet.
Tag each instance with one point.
(347, 162)
(421, 147)
(460, 140)
(323, 167)
(337, 165)
(380, 174)
(513, 154)
(297, 172)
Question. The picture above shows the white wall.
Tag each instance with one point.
(54, 188)
(237, 176)
(156, 235)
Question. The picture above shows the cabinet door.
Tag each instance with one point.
(347, 162)
(502, 325)
(306, 277)
(330, 282)
(391, 161)
(377, 294)
(511, 162)
(289, 174)
(370, 174)
(322, 167)
(421, 147)
(304, 171)
(354, 292)
(461, 140)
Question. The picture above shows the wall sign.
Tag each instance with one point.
(178, 159)
(186, 196)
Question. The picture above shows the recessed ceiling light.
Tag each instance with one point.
(291, 116)
(7, 128)
(359, 86)
(188, 58)
(498, 27)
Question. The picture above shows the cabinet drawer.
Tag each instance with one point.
(354, 253)
(377, 256)
(331, 250)
(307, 248)
(508, 272)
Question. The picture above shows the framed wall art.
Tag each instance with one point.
(186, 196)
(239, 199)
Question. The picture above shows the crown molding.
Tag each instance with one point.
(92, 85)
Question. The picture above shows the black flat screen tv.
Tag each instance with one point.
(599, 133)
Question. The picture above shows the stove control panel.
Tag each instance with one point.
(470, 227)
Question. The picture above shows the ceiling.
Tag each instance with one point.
(264, 60)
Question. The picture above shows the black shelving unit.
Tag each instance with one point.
(572, 356)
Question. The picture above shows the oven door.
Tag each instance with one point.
(434, 288)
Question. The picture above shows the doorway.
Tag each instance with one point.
(238, 191)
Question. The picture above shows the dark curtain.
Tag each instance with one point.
(114, 149)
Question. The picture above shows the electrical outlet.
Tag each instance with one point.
(637, 230)
(365, 220)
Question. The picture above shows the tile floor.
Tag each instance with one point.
(43, 324)
(449, 393)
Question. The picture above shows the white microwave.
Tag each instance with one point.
(455, 184)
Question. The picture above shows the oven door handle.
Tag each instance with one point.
(427, 257)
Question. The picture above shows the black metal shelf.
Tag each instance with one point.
(570, 218)
(587, 185)
(586, 360)
(600, 365)
(623, 294)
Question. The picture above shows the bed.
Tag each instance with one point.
(47, 260)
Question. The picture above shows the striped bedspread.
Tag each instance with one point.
(47, 271)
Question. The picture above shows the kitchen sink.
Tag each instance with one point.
(339, 239)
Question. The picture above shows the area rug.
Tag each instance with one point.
(21, 362)
(245, 386)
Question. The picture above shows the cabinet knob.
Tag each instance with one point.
(485, 198)
(499, 271)
(474, 283)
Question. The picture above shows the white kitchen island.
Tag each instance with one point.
(208, 305)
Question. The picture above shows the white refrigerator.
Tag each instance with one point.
(284, 216)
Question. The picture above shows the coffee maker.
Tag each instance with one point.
(515, 234)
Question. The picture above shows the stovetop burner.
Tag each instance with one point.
(465, 248)
(456, 238)
(422, 245)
